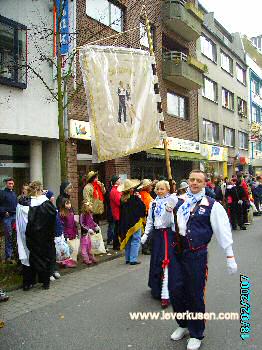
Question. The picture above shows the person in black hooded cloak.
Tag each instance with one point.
(39, 235)
(65, 192)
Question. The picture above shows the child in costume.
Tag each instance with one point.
(70, 228)
(88, 227)
(160, 227)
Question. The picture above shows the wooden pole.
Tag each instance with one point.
(162, 125)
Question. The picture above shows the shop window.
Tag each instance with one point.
(227, 99)
(243, 140)
(176, 105)
(13, 56)
(229, 137)
(255, 86)
(210, 132)
(210, 89)
(226, 63)
(208, 48)
(241, 107)
(106, 12)
(241, 74)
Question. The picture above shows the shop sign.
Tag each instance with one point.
(14, 165)
(214, 153)
(175, 144)
(79, 130)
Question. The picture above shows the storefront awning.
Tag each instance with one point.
(187, 156)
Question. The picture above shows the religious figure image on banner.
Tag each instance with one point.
(121, 101)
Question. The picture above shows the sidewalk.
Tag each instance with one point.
(15, 280)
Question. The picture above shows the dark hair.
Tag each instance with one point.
(63, 210)
(9, 179)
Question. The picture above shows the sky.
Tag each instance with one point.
(236, 16)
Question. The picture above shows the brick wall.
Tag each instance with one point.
(90, 30)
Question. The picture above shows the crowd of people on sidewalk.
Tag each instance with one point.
(174, 223)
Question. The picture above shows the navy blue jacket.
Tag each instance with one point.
(8, 202)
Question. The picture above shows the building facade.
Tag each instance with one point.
(223, 100)
(175, 27)
(29, 148)
(257, 41)
(254, 62)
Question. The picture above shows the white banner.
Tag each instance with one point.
(122, 104)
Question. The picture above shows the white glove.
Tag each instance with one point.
(231, 266)
(97, 229)
(171, 203)
(91, 231)
(144, 238)
(240, 202)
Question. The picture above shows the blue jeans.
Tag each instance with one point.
(7, 221)
(132, 247)
(110, 231)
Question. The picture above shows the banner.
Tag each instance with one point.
(122, 104)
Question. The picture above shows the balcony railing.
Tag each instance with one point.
(183, 70)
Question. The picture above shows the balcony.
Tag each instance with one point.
(183, 70)
(182, 18)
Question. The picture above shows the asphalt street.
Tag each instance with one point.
(89, 309)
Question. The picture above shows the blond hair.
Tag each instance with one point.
(162, 183)
(35, 188)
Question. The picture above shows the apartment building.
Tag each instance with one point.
(257, 41)
(175, 27)
(254, 62)
(29, 147)
(223, 100)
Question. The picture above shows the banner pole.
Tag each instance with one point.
(162, 124)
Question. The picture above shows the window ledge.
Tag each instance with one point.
(229, 73)
(215, 62)
(244, 84)
(228, 146)
(228, 109)
(212, 143)
(177, 116)
(216, 102)
(9, 82)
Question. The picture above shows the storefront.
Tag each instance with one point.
(216, 160)
(15, 162)
(184, 156)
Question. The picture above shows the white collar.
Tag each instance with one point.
(36, 201)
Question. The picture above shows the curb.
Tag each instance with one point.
(65, 271)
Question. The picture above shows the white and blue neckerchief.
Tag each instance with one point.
(184, 210)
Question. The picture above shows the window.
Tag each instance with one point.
(226, 63)
(208, 48)
(13, 58)
(227, 99)
(210, 131)
(229, 137)
(259, 146)
(255, 86)
(210, 89)
(143, 35)
(241, 74)
(241, 107)
(176, 105)
(243, 140)
(106, 12)
(255, 114)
